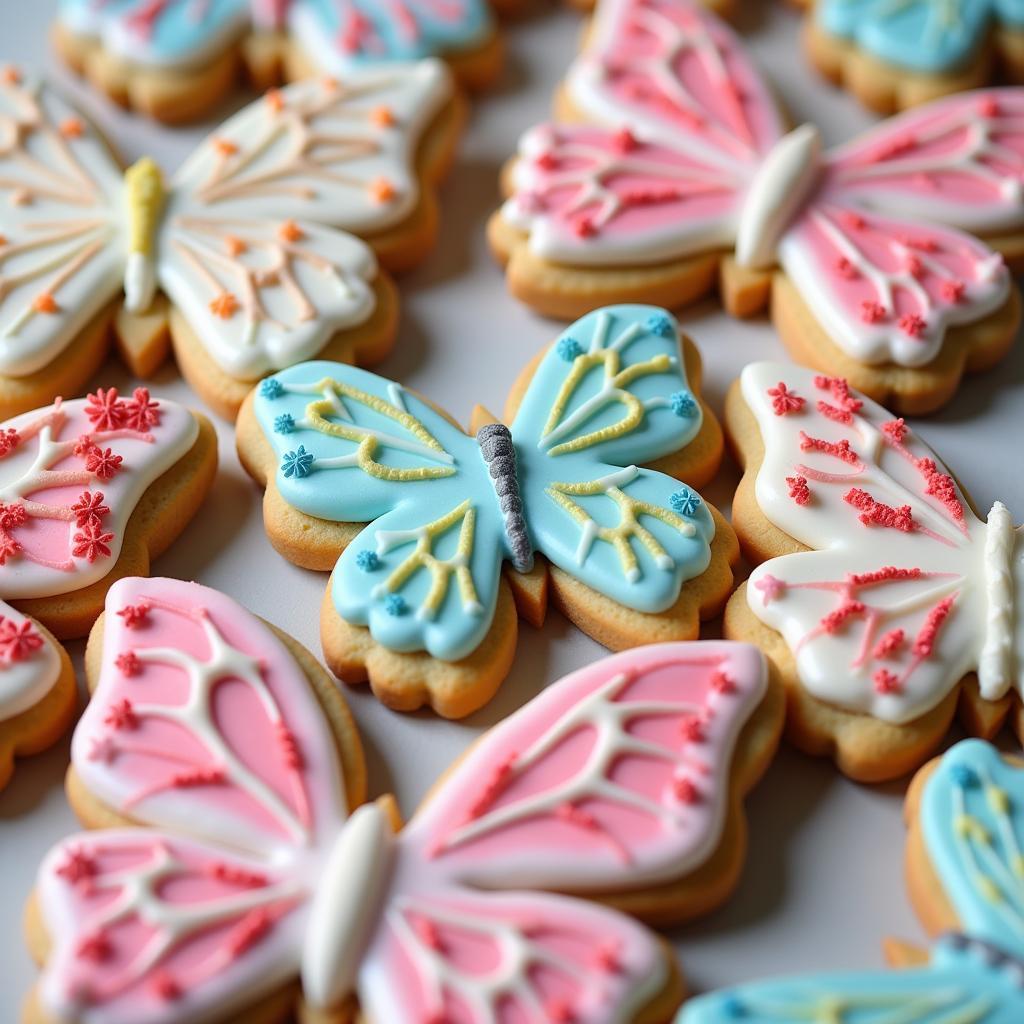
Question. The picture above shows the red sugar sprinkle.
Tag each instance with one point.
(875, 513)
(922, 244)
(832, 413)
(924, 642)
(134, 615)
(840, 450)
(721, 682)
(585, 227)
(835, 620)
(559, 1011)
(78, 866)
(237, 876)
(988, 106)
(121, 715)
(912, 325)
(94, 947)
(9, 440)
(952, 291)
(494, 786)
(846, 269)
(608, 958)
(686, 791)
(289, 747)
(886, 681)
(895, 430)
(693, 729)
(199, 777)
(128, 663)
(625, 141)
(253, 927)
(888, 574)
(852, 220)
(914, 265)
(166, 987)
(889, 644)
(872, 312)
(546, 161)
(940, 485)
(785, 401)
(798, 489)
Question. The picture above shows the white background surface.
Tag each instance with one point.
(823, 882)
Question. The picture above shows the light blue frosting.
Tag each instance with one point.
(991, 863)
(929, 36)
(671, 418)
(177, 32)
(958, 986)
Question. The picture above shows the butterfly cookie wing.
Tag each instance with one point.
(895, 586)
(354, 447)
(203, 724)
(614, 778)
(610, 394)
(959, 983)
(61, 243)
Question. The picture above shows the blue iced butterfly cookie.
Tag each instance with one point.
(445, 511)
(968, 807)
(923, 37)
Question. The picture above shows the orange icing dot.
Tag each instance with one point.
(289, 231)
(235, 246)
(382, 190)
(330, 83)
(275, 99)
(72, 128)
(225, 147)
(383, 117)
(11, 75)
(224, 305)
(45, 303)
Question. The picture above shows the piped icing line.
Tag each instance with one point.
(924, 591)
(70, 478)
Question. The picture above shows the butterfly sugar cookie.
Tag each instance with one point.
(92, 490)
(670, 171)
(176, 60)
(37, 689)
(235, 873)
(964, 876)
(893, 56)
(437, 530)
(885, 601)
(245, 255)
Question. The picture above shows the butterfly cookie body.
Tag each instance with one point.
(238, 259)
(417, 600)
(964, 877)
(893, 58)
(231, 843)
(882, 595)
(175, 60)
(670, 168)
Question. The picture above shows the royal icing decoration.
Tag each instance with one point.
(247, 873)
(691, 159)
(926, 36)
(341, 36)
(70, 478)
(29, 663)
(244, 240)
(971, 819)
(445, 510)
(905, 588)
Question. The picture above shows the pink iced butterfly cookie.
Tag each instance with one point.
(242, 858)
(673, 172)
(884, 599)
(265, 248)
(92, 490)
(37, 689)
(175, 60)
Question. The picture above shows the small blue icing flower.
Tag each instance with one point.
(284, 424)
(367, 560)
(684, 501)
(394, 604)
(661, 325)
(568, 348)
(964, 776)
(271, 388)
(683, 404)
(297, 463)
(733, 1007)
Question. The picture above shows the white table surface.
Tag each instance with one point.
(823, 882)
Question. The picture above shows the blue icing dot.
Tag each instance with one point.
(964, 776)
(662, 325)
(297, 463)
(284, 424)
(684, 501)
(367, 560)
(271, 388)
(734, 1007)
(568, 348)
(394, 604)
(683, 404)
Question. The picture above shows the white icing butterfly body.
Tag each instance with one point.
(905, 590)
